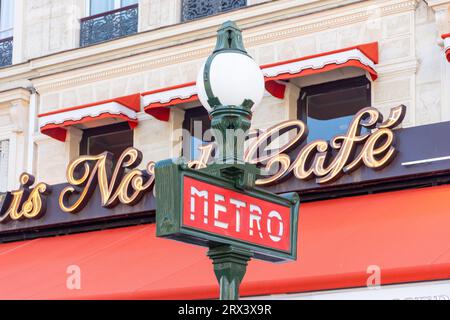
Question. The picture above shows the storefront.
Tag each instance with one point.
(354, 119)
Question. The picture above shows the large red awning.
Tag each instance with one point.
(364, 57)
(405, 233)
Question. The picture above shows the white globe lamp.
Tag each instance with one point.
(230, 85)
(230, 77)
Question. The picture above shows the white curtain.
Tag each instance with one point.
(6, 18)
(99, 6)
(4, 154)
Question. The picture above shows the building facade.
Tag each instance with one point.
(80, 77)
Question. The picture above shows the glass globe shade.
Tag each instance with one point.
(234, 77)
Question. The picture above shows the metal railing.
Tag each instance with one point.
(195, 9)
(109, 25)
(6, 50)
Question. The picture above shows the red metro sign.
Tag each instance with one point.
(198, 208)
(227, 213)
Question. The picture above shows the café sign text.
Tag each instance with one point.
(123, 183)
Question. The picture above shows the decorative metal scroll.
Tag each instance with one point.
(6, 50)
(195, 9)
(109, 25)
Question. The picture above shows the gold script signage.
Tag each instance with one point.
(25, 203)
(324, 160)
(123, 183)
(328, 160)
(115, 185)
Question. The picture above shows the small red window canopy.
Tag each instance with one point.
(158, 102)
(446, 38)
(55, 123)
(363, 57)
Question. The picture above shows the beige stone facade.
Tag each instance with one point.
(165, 52)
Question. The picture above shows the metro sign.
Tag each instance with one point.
(231, 214)
(207, 210)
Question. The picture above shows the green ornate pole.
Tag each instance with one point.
(175, 219)
(230, 124)
(230, 265)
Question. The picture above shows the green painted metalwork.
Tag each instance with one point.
(169, 176)
(229, 38)
(230, 256)
(230, 265)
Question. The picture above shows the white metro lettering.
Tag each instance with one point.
(235, 215)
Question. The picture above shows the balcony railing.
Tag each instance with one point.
(109, 25)
(6, 50)
(195, 9)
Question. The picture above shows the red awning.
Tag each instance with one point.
(446, 38)
(157, 101)
(364, 57)
(405, 233)
(55, 123)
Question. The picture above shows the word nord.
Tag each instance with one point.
(228, 213)
(122, 183)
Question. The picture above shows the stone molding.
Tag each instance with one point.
(132, 54)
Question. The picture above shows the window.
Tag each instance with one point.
(108, 20)
(4, 155)
(101, 6)
(197, 123)
(6, 18)
(114, 138)
(6, 32)
(195, 9)
(328, 108)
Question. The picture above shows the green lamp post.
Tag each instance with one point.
(195, 206)
(230, 85)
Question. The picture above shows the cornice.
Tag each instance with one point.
(437, 3)
(45, 78)
(15, 95)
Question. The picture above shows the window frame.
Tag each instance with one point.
(103, 130)
(349, 83)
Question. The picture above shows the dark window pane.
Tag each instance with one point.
(112, 138)
(329, 108)
(112, 142)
